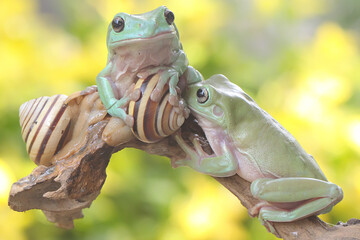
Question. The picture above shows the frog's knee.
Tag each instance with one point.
(257, 187)
(336, 193)
(192, 75)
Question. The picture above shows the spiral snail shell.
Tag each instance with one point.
(153, 120)
(45, 122)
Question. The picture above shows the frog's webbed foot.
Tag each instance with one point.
(119, 108)
(194, 154)
(190, 152)
(170, 76)
(167, 75)
(181, 107)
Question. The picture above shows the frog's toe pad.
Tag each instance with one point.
(174, 100)
(156, 95)
(135, 95)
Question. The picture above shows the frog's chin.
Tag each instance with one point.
(204, 120)
(163, 36)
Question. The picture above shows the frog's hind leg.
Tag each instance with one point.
(281, 215)
(268, 214)
(290, 199)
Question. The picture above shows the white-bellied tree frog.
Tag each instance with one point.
(140, 45)
(247, 141)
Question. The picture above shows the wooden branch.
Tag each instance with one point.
(306, 229)
(63, 189)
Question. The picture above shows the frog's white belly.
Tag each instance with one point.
(248, 169)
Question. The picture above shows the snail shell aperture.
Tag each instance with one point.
(45, 122)
(153, 120)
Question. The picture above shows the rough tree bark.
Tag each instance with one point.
(63, 189)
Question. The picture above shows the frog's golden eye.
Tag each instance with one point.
(202, 95)
(169, 16)
(118, 24)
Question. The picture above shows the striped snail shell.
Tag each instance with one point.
(153, 120)
(44, 122)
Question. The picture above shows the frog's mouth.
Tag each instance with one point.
(155, 38)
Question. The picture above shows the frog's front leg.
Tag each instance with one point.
(218, 166)
(115, 107)
(293, 198)
(168, 74)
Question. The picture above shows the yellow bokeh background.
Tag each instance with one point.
(298, 59)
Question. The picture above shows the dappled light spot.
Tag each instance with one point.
(354, 133)
(6, 180)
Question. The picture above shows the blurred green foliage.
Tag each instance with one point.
(299, 59)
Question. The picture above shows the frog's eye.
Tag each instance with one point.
(169, 16)
(118, 24)
(202, 95)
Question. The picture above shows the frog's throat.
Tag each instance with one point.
(160, 36)
(214, 133)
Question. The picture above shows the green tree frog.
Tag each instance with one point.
(139, 46)
(247, 141)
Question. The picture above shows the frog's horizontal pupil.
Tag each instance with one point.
(202, 95)
(169, 16)
(118, 24)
